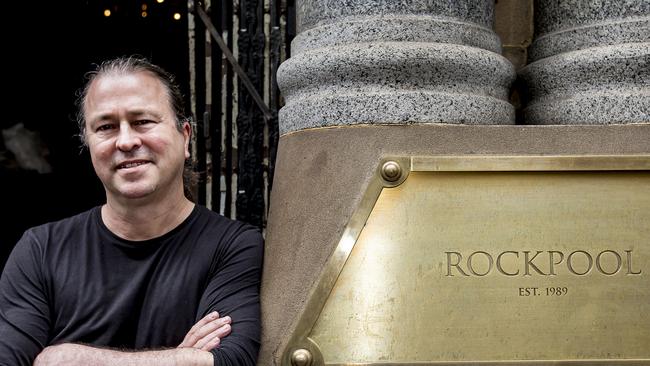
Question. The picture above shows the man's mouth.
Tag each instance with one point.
(131, 164)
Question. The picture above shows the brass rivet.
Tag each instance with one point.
(301, 357)
(391, 171)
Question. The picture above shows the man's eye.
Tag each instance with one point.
(105, 127)
(142, 122)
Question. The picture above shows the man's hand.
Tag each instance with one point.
(207, 333)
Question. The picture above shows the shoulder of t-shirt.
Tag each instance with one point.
(229, 229)
(61, 228)
(39, 239)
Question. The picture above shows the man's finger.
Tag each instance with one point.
(192, 337)
(213, 339)
(209, 328)
(212, 344)
(199, 333)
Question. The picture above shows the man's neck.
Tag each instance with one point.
(138, 221)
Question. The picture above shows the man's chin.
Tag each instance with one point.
(135, 193)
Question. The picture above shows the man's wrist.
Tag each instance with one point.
(192, 356)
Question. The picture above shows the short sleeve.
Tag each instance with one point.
(24, 310)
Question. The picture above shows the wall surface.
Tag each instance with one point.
(323, 174)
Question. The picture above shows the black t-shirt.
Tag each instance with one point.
(75, 281)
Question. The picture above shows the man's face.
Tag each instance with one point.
(131, 132)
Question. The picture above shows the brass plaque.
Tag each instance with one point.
(523, 261)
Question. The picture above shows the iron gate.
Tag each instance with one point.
(236, 47)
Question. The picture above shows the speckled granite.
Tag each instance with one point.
(599, 85)
(314, 13)
(609, 33)
(569, 25)
(591, 62)
(396, 83)
(407, 28)
(395, 62)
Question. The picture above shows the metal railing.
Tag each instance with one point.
(238, 46)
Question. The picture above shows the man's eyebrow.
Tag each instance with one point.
(101, 118)
(143, 112)
(138, 113)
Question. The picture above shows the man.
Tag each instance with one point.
(148, 278)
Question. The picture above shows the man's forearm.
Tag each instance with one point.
(76, 354)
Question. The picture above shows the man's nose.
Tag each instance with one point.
(127, 138)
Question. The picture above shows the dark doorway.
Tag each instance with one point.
(47, 50)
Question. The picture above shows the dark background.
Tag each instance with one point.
(47, 48)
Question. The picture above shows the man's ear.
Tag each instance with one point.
(187, 133)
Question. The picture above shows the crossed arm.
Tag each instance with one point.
(204, 336)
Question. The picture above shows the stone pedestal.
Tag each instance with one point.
(590, 62)
(322, 175)
(390, 62)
